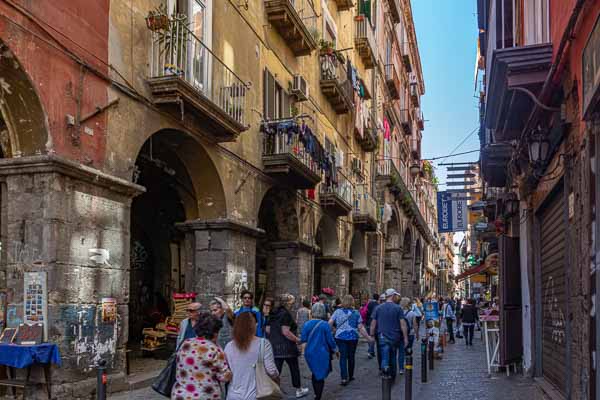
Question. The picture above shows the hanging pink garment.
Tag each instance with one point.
(387, 132)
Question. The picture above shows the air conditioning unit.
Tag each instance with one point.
(299, 88)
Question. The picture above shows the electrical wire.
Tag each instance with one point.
(451, 155)
(462, 142)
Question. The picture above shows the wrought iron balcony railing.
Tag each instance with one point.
(364, 41)
(365, 212)
(335, 84)
(182, 67)
(337, 193)
(296, 22)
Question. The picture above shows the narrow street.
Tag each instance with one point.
(461, 374)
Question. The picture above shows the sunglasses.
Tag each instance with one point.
(192, 310)
(247, 298)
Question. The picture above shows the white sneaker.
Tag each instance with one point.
(301, 392)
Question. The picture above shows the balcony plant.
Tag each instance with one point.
(158, 19)
(326, 47)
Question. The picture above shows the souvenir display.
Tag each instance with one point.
(28, 335)
(156, 338)
(35, 299)
(109, 310)
(8, 335)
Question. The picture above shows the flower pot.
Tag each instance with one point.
(359, 18)
(157, 22)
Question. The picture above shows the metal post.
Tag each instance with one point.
(408, 372)
(101, 382)
(386, 387)
(431, 353)
(424, 361)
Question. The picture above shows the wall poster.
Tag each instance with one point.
(35, 300)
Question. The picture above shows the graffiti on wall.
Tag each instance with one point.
(24, 253)
(88, 336)
(240, 283)
(557, 318)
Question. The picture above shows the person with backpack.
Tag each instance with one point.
(318, 347)
(348, 324)
(320, 309)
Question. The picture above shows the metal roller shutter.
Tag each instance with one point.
(553, 291)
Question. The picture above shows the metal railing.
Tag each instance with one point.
(283, 140)
(176, 51)
(340, 186)
(363, 30)
(334, 70)
(307, 14)
(365, 204)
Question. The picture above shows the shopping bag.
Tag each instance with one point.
(164, 382)
(266, 388)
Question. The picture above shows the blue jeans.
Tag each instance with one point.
(401, 351)
(347, 357)
(388, 350)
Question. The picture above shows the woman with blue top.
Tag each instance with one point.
(348, 324)
(319, 346)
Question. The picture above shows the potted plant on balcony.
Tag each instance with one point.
(172, 42)
(326, 47)
(158, 19)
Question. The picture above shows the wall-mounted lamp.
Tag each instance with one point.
(539, 147)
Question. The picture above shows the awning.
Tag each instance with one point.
(475, 270)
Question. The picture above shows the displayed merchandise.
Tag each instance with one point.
(8, 335)
(35, 299)
(109, 310)
(28, 335)
(156, 338)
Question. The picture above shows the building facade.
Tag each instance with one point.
(539, 113)
(206, 146)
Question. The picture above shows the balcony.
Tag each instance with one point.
(414, 94)
(406, 56)
(287, 157)
(507, 110)
(494, 163)
(185, 75)
(419, 118)
(388, 173)
(392, 82)
(395, 11)
(406, 122)
(295, 20)
(344, 5)
(367, 136)
(364, 41)
(335, 196)
(365, 213)
(334, 84)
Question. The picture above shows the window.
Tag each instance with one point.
(329, 27)
(276, 100)
(536, 22)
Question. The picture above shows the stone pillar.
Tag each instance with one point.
(221, 258)
(375, 262)
(335, 274)
(393, 269)
(292, 269)
(53, 212)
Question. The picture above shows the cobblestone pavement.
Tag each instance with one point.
(461, 374)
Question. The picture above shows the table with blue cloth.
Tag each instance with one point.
(22, 356)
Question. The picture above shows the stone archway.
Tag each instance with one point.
(407, 263)
(23, 122)
(359, 278)
(417, 270)
(283, 262)
(327, 257)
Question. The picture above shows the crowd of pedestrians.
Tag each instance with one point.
(226, 354)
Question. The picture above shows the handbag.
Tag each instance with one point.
(164, 382)
(266, 388)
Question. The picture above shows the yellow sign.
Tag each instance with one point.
(474, 216)
(478, 278)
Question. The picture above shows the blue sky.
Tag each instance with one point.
(447, 39)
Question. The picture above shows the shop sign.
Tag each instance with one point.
(452, 213)
(591, 73)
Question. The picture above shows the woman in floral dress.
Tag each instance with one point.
(201, 364)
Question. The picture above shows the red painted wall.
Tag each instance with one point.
(41, 44)
(560, 12)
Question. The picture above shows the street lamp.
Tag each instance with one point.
(539, 147)
(415, 169)
(511, 206)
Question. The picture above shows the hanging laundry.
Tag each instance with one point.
(387, 132)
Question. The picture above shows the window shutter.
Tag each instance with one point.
(285, 101)
(269, 96)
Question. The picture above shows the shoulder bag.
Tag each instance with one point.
(266, 388)
(164, 382)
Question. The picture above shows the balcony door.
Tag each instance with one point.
(199, 19)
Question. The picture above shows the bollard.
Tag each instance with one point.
(101, 382)
(431, 354)
(424, 361)
(408, 372)
(386, 387)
